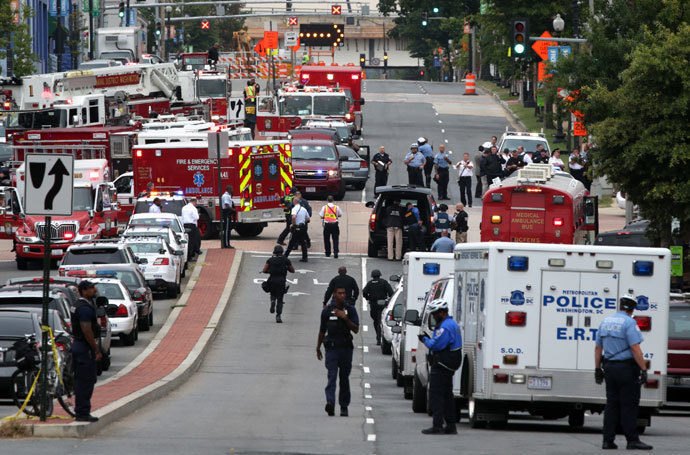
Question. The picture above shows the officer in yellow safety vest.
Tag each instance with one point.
(329, 214)
(251, 91)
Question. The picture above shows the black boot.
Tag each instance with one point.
(278, 320)
(273, 306)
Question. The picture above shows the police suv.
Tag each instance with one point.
(530, 313)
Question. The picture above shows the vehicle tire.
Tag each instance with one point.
(183, 271)
(400, 380)
(22, 264)
(372, 251)
(576, 418)
(249, 229)
(144, 324)
(178, 288)
(340, 194)
(171, 291)
(407, 389)
(105, 361)
(394, 369)
(472, 414)
(359, 185)
(151, 316)
(130, 338)
(386, 348)
(418, 395)
(207, 230)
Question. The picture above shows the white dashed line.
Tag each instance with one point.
(370, 421)
(442, 130)
(446, 141)
(368, 397)
(365, 328)
(371, 437)
(367, 385)
(365, 348)
(368, 408)
(436, 113)
(440, 121)
(366, 369)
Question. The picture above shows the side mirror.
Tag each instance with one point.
(369, 204)
(142, 260)
(396, 329)
(391, 323)
(361, 101)
(178, 253)
(101, 300)
(161, 251)
(395, 278)
(183, 241)
(343, 158)
(412, 317)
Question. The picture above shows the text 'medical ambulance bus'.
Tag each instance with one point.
(538, 205)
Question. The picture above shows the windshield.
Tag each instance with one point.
(146, 247)
(295, 105)
(173, 224)
(82, 199)
(174, 206)
(313, 152)
(343, 132)
(679, 323)
(47, 118)
(16, 326)
(94, 65)
(348, 92)
(197, 63)
(348, 152)
(330, 105)
(94, 256)
(110, 290)
(211, 88)
(529, 145)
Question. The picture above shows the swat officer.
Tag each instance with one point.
(446, 349)
(376, 291)
(345, 281)
(382, 162)
(338, 321)
(618, 354)
(300, 218)
(85, 351)
(414, 228)
(442, 221)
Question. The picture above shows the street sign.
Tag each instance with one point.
(270, 40)
(64, 6)
(676, 260)
(579, 129)
(235, 109)
(217, 140)
(554, 52)
(291, 38)
(375, 61)
(437, 62)
(132, 17)
(48, 184)
(540, 47)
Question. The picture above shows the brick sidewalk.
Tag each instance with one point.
(180, 339)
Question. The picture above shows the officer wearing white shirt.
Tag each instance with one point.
(190, 217)
(228, 216)
(156, 206)
(556, 161)
(300, 217)
(526, 157)
(465, 171)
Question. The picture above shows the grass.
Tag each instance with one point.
(605, 201)
(13, 429)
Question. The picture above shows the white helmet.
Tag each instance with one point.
(421, 140)
(437, 305)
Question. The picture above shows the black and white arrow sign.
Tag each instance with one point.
(235, 109)
(49, 183)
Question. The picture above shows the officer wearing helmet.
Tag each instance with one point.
(445, 346)
(428, 153)
(415, 164)
(619, 360)
(376, 291)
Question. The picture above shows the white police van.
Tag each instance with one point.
(420, 270)
(530, 313)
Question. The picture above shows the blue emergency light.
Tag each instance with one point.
(643, 268)
(431, 268)
(518, 263)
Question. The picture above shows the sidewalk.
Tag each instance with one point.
(171, 357)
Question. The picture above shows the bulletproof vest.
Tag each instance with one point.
(76, 323)
(443, 221)
(336, 328)
(410, 219)
(377, 289)
(288, 203)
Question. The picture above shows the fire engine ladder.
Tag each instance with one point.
(165, 79)
(89, 151)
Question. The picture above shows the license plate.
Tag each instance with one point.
(267, 214)
(311, 189)
(539, 383)
(56, 252)
(348, 174)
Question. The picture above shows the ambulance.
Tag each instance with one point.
(420, 270)
(530, 314)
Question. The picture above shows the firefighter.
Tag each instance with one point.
(287, 208)
(250, 94)
(228, 216)
(382, 162)
(329, 214)
(376, 291)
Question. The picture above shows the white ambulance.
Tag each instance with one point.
(530, 314)
(420, 270)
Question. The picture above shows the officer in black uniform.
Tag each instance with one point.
(342, 279)
(287, 211)
(376, 291)
(85, 351)
(381, 162)
(338, 321)
(442, 220)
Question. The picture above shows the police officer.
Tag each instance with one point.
(414, 228)
(428, 154)
(442, 220)
(329, 214)
(287, 211)
(305, 203)
(376, 291)
(338, 321)
(415, 164)
(618, 353)
(300, 217)
(446, 349)
(228, 216)
(85, 350)
(277, 267)
(190, 218)
(442, 163)
(342, 279)
(381, 162)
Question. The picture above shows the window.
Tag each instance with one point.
(82, 199)
(17, 326)
(295, 105)
(679, 324)
(211, 88)
(265, 104)
(110, 290)
(124, 185)
(330, 105)
(313, 152)
(94, 256)
(93, 111)
(144, 248)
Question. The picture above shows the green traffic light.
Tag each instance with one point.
(519, 48)
(435, 10)
(121, 14)
(424, 23)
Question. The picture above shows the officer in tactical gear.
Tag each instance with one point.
(287, 211)
(85, 351)
(376, 291)
(338, 321)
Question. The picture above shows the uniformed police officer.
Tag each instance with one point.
(618, 353)
(414, 228)
(342, 279)
(376, 291)
(300, 218)
(442, 163)
(338, 321)
(442, 221)
(428, 153)
(228, 216)
(415, 164)
(446, 349)
(85, 351)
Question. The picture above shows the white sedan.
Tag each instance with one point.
(392, 312)
(124, 320)
(162, 267)
(174, 222)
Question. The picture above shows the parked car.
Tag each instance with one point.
(341, 127)
(355, 168)
(632, 234)
(123, 311)
(166, 220)
(420, 197)
(14, 325)
(163, 266)
(390, 316)
(170, 203)
(94, 254)
(176, 242)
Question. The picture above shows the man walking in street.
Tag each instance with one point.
(460, 224)
(415, 164)
(329, 214)
(376, 291)
(300, 218)
(338, 322)
(85, 351)
(277, 267)
(342, 279)
(442, 162)
(382, 162)
(625, 371)
(228, 216)
(414, 228)
(213, 54)
(493, 165)
(287, 211)
(190, 218)
(465, 171)
(394, 224)
(445, 347)
(428, 154)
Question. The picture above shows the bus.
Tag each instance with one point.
(539, 205)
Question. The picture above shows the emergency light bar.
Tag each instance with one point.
(643, 268)
(431, 268)
(644, 323)
(518, 263)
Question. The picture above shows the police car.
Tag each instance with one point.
(176, 242)
(122, 311)
(164, 219)
(95, 253)
(511, 140)
(160, 263)
(391, 316)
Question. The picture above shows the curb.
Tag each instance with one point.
(130, 403)
(514, 119)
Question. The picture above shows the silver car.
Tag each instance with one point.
(355, 169)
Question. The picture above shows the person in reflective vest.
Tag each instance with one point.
(250, 93)
(329, 214)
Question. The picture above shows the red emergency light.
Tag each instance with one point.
(121, 311)
(355, 77)
(68, 235)
(372, 222)
(516, 318)
(558, 222)
(644, 323)
(161, 261)
(7, 105)
(93, 175)
(305, 76)
(139, 153)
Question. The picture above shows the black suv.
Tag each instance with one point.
(422, 199)
(632, 234)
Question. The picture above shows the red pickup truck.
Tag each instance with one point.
(316, 167)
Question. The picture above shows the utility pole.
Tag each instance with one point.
(91, 30)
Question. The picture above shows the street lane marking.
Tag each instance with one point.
(371, 437)
(446, 141)
(440, 121)
(368, 397)
(366, 369)
(442, 130)
(365, 348)
(365, 328)
(370, 421)
(368, 408)
(367, 385)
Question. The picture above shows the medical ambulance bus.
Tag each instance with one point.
(538, 205)
(530, 316)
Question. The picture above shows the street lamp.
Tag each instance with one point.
(558, 26)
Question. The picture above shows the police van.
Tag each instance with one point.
(530, 313)
(420, 270)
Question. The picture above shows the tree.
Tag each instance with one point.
(642, 140)
(17, 36)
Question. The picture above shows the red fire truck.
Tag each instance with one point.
(348, 78)
(539, 205)
(260, 173)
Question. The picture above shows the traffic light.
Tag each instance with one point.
(362, 59)
(121, 9)
(159, 29)
(519, 36)
(336, 10)
(435, 10)
(421, 74)
(425, 19)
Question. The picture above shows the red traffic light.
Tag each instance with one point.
(292, 21)
(336, 10)
(205, 25)
(421, 73)
(519, 26)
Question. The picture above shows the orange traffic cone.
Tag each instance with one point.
(470, 84)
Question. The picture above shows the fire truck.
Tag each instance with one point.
(192, 61)
(348, 78)
(260, 173)
(94, 215)
(277, 114)
(209, 87)
(539, 205)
